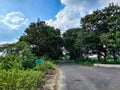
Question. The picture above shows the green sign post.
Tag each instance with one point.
(39, 61)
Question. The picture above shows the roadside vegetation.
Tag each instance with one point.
(92, 61)
(99, 35)
(18, 70)
(13, 75)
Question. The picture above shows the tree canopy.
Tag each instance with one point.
(99, 34)
(44, 39)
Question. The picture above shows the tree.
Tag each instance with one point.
(44, 40)
(69, 38)
(111, 41)
(87, 42)
(101, 22)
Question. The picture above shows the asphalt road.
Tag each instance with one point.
(77, 77)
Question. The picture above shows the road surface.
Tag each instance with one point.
(77, 77)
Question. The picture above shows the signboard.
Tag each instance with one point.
(39, 61)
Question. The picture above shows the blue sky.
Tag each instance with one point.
(16, 15)
(44, 9)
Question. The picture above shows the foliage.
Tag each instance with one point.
(56, 62)
(20, 80)
(111, 61)
(19, 52)
(111, 41)
(100, 23)
(69, 38)
(65, 57)
(16, 68)
(92, 61)
(45, 40)
(14, 77)
(45, 66)
(87, 62)
(10, 62)
(87, 41)
(45, 58)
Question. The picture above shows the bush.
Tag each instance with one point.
(18, 70)
(14, 61)
(10, 62)
(46, 65)
(87, 61)
(20, 80)
(45, 58)
(56, 62)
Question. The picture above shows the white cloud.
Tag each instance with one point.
(69, 16)
(14, 20)
(9, 42)
(114, 1)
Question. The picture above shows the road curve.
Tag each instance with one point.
(77, 77)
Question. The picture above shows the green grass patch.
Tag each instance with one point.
(45, 66)
(86, 62)
(14, 77)
(111, 61)
(56, 62)
(92, 61)
(20, 80)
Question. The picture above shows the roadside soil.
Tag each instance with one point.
(51, 82)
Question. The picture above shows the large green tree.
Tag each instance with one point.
(87, 42)
(44, 40)
(69, 38)
(111, 41)
(101, 22)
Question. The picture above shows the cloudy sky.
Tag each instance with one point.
(16, 15)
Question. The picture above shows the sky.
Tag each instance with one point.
(16, 15)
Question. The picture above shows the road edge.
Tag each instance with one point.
(107, 65)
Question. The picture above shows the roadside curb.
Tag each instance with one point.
(107, 65)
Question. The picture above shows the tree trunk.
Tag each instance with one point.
(114, 56)
(98, 56)
(105, 59)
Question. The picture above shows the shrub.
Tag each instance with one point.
(45, 57)
(20, 80)
(87, 61)
(46, 65)
(15, 61)
(10, 62)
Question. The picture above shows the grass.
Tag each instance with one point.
(47, 65)
(86, 62)
(92, 61)
(111, 61)
(56, 62)
(20, 80)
